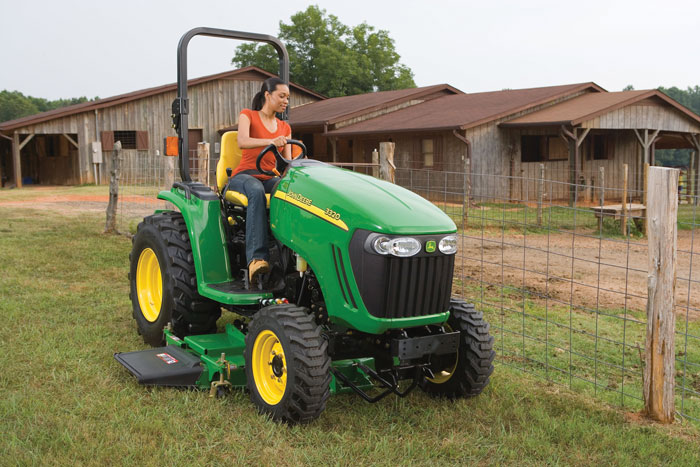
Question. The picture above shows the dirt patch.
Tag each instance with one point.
(70, 204)
(581, 270)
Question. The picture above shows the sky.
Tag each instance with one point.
(70, 48)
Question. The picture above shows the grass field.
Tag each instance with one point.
(65, 310)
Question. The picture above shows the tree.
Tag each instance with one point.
(689, 98)
(14, 104)
(330, 57)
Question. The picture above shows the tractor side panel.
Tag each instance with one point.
(207, 236)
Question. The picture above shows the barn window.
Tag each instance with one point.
(540, 148)
(428, 152)
(602, 147)
(129, 139)
(532, 148)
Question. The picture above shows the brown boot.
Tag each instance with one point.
(257, 266)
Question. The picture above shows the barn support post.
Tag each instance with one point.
(334, 148)
(467, 168)
(694, 176)
(10, 139)
(580, 137)
(575, 141)
(573, 163)
(659, 368)
(16, 160)
(646, 143)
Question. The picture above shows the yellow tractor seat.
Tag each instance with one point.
(230, 157)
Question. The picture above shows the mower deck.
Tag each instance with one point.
(209, 361)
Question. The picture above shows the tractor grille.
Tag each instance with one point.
(393, 287)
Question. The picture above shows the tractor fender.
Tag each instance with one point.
(204, 227)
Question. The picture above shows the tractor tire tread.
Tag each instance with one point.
(308, 359)
(475, 362)
(191, 313)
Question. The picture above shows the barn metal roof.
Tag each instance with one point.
(579, 109)
(241, 73)
(461, 111)
(333, 110)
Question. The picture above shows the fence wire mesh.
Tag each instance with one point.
(564, 289)
(144, 174)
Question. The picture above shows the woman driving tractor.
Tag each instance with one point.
(259, 127)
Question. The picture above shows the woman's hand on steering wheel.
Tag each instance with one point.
(281, 161)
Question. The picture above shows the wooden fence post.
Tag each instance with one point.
(467, 190)
(540, 194)
(601, 169)
(375, 160)
(387, 168)
(645, 191)
(203, 163)
(624, 200)
(169, 178)
(659, 369)
(111, 223)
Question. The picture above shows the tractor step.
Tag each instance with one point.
(162, 366)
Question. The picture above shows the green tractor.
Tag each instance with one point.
(357, 299)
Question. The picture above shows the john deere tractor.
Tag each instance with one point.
(357, 299)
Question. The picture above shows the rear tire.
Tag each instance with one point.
(164, 283)
(287, 364)
(467, 373)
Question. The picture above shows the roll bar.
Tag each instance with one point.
(180, 107)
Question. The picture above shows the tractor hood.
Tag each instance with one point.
(360, 201)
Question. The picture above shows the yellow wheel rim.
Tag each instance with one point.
(446, 373)
(269, 367)
(149, 285)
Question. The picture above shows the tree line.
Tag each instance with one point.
(689, 98)
(14, 104)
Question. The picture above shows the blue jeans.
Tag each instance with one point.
(256, 217)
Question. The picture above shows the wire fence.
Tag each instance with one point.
(564, 289)
(144, 174)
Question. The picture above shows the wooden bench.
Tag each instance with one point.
(614, 211)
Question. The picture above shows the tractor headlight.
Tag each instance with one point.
(448, 245)
(382, 245)
(405, 246)
(402, 246)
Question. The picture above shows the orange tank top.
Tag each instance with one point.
(258, 130)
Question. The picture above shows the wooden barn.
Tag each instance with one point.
(58, 147)
(503, 137)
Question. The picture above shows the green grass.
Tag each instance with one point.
(65, 310)
(600, 354)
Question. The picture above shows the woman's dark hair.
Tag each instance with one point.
(269, 85)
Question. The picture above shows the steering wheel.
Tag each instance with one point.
(281, 161)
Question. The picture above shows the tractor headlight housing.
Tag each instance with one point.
(382, 245)
(401, 246)
(448, 245)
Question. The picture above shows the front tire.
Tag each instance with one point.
(163, 281)
(287, 364)
(467, 373)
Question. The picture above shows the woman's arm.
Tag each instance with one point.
(246, 142)
(287, 153)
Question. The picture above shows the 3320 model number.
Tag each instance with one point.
(332, 214)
